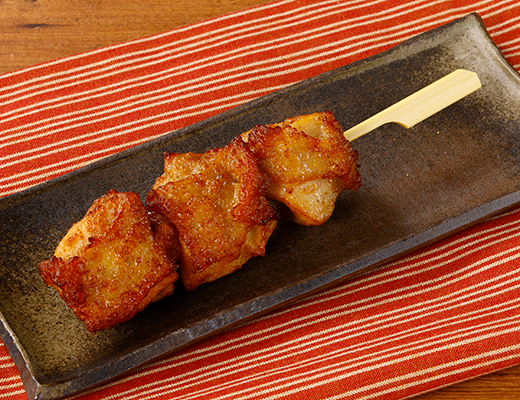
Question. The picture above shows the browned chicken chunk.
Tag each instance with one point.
(309, 161)
(114, 262)
(216, 200)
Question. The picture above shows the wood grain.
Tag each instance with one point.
(501, 385)
(35, 31)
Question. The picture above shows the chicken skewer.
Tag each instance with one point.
(208, 213)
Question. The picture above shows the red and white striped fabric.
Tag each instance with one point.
(444, 314)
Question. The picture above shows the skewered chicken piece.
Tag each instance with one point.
(309, 161)
(216, 200)
(114, 262)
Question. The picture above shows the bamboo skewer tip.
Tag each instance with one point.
(421, 104)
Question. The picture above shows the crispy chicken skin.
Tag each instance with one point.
(309, 161)
(216, 200)
(114, 262)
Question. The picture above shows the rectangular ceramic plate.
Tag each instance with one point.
(419, 185)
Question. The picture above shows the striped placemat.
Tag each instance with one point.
(444, 314)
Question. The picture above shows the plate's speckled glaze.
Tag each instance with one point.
(419, 185)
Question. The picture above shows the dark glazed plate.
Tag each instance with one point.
(419, 185)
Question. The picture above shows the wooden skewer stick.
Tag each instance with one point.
(422, 104)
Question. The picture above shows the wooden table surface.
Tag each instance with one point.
(35, 31)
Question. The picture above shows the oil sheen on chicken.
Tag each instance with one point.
(217, 202)
(114, 262)
(309, 161)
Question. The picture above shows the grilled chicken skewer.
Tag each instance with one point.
(209, 212)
